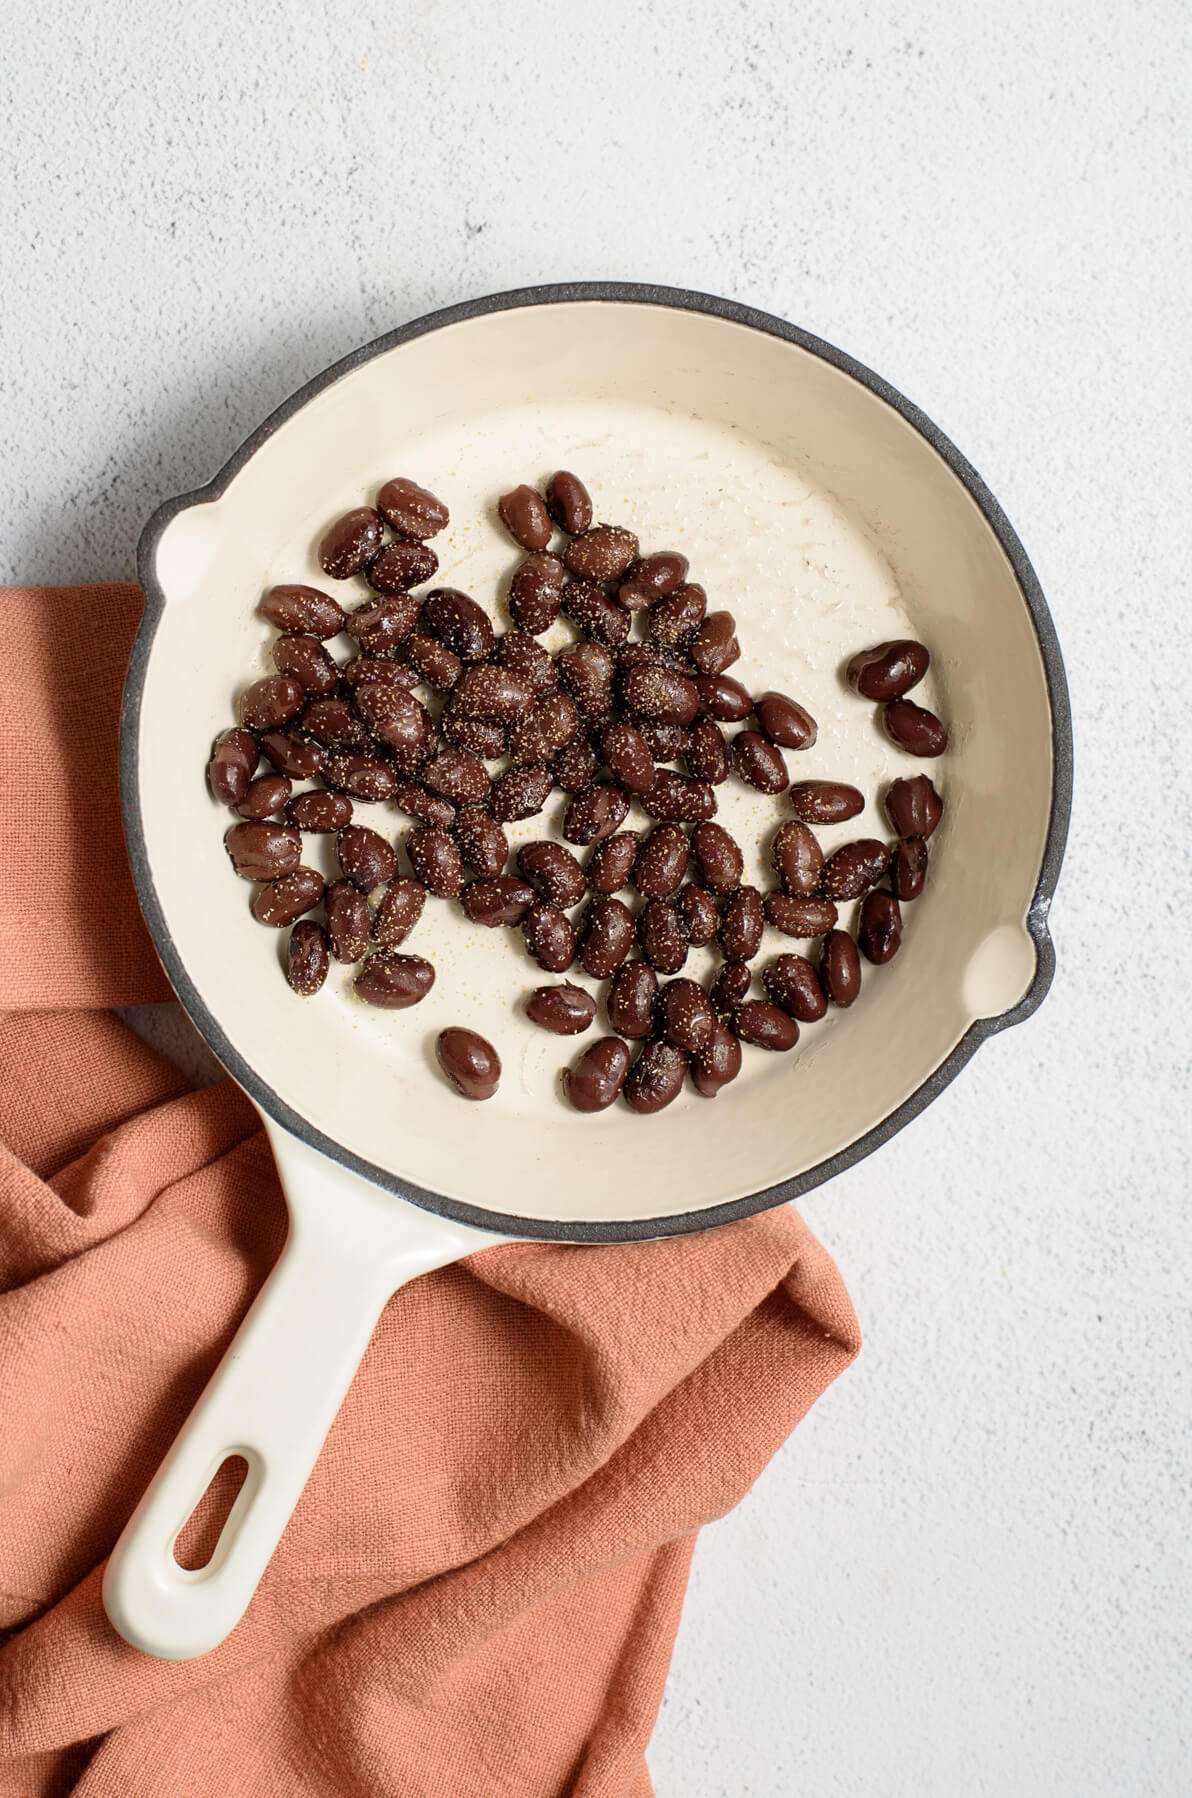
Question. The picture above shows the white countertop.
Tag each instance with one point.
(968, 1572)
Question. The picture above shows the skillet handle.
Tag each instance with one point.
(272, 1400)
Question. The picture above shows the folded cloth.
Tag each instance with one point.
(479, 1591)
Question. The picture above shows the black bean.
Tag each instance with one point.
(565, 1010)
(706, 752)
(608, 931)
(293, 755)
(914, 728)
(757, 762)
(889, 670)
(632, 999)
(322, 812)
(799, 917)
(879, 932)
(554, 871)
(701, 919)
(718, 857)
(568, 502)
(265, 797)
(411, 509)
(686, 1015)
(840, 967)
(429, 808)
(305, 609)
(825, 801)
(383, 625)
(628, 755)
(595, 1082)
(586, 671)
(271, 702)
(550, 938)
(458, 776)
(717, 1063)
(913, 806)
(523, 656)
(784, 722)
(523, 513)
(764, 1025)
(792, 982)
(730, 986)
(714, 646)
(501, 899)
(402, 564)
(400, 909)
(234, 757)
(394, 981)
(478, 736)
(536, 593)
(550, 724)
(662, 861)
(351, 542)
(287, 897)
(854, 868)
(436, 860)
(262, 851)
(656, 1078)
(305, 660)
(664, 695)
(482, 842)
(521, 792)
(598, 616)
(742, 924)
(611, 862)
(681, 800)
(365, 857)
(676, 622)
(492, 692)
(796, 858)
(663, 938)
(348, 923)
(908, 869)
(364, 670)
(334, 724)
(432, 661)
(723, 698)
(454, 618)
(601, 554)
(307, 957)
(595, 813)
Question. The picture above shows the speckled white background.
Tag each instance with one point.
(969, 1572)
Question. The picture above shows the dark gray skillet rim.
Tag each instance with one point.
(681, 300)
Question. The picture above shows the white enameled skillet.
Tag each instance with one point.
(827, 514)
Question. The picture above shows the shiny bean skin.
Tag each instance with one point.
(908, 868)
(701, 919)
(262, 851)
(799, 917)
(825, 801)
(657, 575)
(662, 861)
(607, 935)
(482, 843)
(664, 695)
(432, 661)
(656, 1078)
(611, 862)
(786, 723)
(365, 857)
(889, 670)
(478, 736)
(595, 814)
(718, 858)
(523, 513)
(536, 593)
(308, 958)
(491, 692)
(666, 742)
(854, 868)
(632, 999)
(234, 757)
(566, 1010)
(879, 932)
(569, 503)
(575, 767)
(362, 671)
(351, 542)
(411, 509)
(742, 924)
(305, 660)
(265, 797)
(521, 792)
(305, 609)
(628, 755)
(913, 806)
(553, 871)
(706, 753)
(757, 762)
(429, 808)
(454, 618)
(718, 1063)
(271, 702)
(457, 776)
(764, 1025)
(400, 908)
(714, 646)
(400, 566)
(551, 723)
(586, 671)
(334, 724)
(678, 799)
(348, 922)
(595, 1082)
(792, 982)
(731, 985)
(406, 729)
(526, 658)
(686, 1015)
(500, 899)
(601, 554)
(676, 622)
(286, 898)
(914, 728)
(663, 938)
(394, 981)
(723, 698)
(796, 858)
(550, 938)
(383, 625)
(293, 755)
(840, 968)
(598, 616)
(469, 1062)
(436, 860)
(321, 812)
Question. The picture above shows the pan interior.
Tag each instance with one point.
(825, 523)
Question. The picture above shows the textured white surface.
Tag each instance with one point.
(969, 1571)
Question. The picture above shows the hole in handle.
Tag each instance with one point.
(199, 1536)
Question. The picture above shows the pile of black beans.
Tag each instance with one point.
(467, 729)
